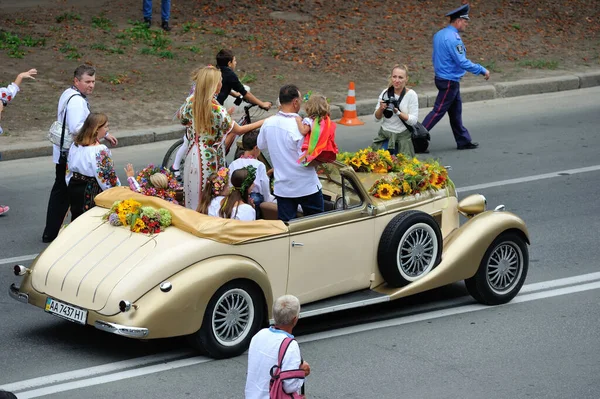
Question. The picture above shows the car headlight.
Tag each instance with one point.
(472, 205)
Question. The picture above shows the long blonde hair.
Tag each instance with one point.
(207, 80)
(88, 134)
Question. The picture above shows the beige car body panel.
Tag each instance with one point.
(94, 266)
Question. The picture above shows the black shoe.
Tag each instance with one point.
(468, 146)
(147, 22)
(165, 26)
(46, 239)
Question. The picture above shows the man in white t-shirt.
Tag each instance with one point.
(264, 351)
(295, 184)
(74, 102)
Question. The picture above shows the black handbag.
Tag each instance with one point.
(418, 133)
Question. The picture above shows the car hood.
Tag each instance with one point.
(94, 265)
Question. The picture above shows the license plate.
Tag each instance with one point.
(65, 311)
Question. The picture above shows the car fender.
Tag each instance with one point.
(180, 311)
(463, 250)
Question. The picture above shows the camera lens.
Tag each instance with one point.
(389, 111)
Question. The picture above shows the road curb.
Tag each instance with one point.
(126, 138)
(363, 108)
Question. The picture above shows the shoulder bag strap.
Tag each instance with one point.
(62, 136)
(410, 128)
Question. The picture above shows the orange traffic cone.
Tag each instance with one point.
(350, 117)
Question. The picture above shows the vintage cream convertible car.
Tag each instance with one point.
(214, 279)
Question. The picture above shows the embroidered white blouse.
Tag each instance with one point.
(242, 212)
(92, 161)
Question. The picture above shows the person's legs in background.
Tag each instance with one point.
(58, 204)
(461, 134)
(165, 13)
(147, 12)
(446, 93)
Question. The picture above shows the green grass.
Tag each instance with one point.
(157, 41)
(189, 26)
(70, 52)
(279, 77)
(248, 78)
(538, 64)
(219, 32)
(101, 22)
(103, 47)
(193, 49)
(68, 16)
(516, 26)
(491, 66)
(13, 44)
(117, 79)
(21, 22)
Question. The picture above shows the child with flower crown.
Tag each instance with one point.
(230, 202)
(318, 130)
(217, 186)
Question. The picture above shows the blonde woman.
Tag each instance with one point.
(397, 107)
(208, 125)
(91, 169)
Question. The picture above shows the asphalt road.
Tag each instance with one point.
(544, 344)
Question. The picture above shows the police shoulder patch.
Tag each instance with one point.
(460, 48)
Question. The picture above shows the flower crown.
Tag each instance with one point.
(221, 181)
(248, 180)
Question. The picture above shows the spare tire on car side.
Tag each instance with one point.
(409, 248)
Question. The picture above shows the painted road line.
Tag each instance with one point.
(307, 338)
(444, 313)
(157, 368)
(18, 259)
(89, 371)
(147, 360)
(526, 179)
(561, 282)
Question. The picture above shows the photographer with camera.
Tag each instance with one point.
(396, 108)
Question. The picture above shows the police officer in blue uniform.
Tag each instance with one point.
(450, 63)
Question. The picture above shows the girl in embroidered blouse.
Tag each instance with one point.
(90, 166)
(210, 129)
(230, 202)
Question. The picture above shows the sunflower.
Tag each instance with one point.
(406, 187)
(385, 191)
(380, 167)
(138, 226)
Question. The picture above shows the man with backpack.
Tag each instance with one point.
(275, 367)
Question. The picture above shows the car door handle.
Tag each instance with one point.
(297, 244)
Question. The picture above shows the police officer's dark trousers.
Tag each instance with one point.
(58, 205)
(448, 100)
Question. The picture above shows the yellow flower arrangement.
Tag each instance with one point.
(403, 176)
(140, 219)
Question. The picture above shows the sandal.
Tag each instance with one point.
(3, 209)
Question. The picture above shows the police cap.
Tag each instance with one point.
(460, 12)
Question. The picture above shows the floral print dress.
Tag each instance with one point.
(206, 151)
(90, 170)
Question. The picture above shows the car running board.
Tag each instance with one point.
(352, 300)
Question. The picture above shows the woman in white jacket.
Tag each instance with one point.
(397, 107)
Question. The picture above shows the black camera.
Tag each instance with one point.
(238, 100)
(391, 103)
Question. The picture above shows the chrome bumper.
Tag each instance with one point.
(14, 293)
(131, 332)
